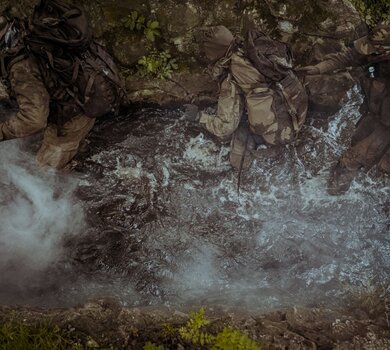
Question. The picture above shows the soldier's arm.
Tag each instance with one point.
(332, 62)
(229, 112)
(335, 61)
(33, 102)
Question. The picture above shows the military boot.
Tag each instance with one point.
(241, 149)
(340, 179)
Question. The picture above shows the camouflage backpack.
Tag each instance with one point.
(274, 60)
(77, 71)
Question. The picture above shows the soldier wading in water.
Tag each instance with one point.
(261, 100)
(371, 141)
(60, 85)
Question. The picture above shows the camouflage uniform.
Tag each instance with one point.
(27, 86)
(33, 102)
(242, 88)
(371, 141)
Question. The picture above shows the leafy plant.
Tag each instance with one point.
(158, 64)
(152, 30)
(373, 11)
(134, 21)
(233, 339)
(193, 332)
(137, 22)
(152, 346)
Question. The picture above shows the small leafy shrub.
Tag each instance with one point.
(193, 332)
(137, 22)
(195, 336)
(373, 11)
(152, 29)
(158, 64)
(233, 339)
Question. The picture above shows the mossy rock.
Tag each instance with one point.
(128, 47)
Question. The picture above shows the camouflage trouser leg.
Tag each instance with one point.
(275, 128)
(57, 151)
(368, 151)
(241, 146)
(366, 126)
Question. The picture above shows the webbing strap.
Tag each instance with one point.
(4, 72)
(88, 89)
(290, 107)
(50, 57)
(76, 69)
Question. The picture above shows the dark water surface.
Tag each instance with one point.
(163, 221)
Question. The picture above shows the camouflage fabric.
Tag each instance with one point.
(371, 140)
(33, 111)
(229, 112)
(32, 98)
(369, 151)
(245, 89)
(242, 144)
(376, 41)
(215, 41)
(57, 151)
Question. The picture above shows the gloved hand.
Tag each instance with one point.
(191, 112)
(309, 70)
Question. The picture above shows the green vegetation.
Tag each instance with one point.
(137, 22)
(193, 335)
(152, 346)
(158, 64)
(192, 331)
(22, 337)
(373, 11)
(233, 339)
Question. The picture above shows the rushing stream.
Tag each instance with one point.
(164, 222)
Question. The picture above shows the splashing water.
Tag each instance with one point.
(37, 212)
(166, 224)
(187, 236)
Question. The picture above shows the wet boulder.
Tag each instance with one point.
(327, 92)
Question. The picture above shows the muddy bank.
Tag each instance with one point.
(105, 323)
